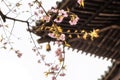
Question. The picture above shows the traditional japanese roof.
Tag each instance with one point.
(113, 73)
(96, 14)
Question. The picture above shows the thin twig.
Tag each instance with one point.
(44, 10)
(11, 31)
(5, 33)
(12, 8)
(6, 4)
(34, 42)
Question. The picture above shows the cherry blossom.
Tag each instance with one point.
(59, 19)
(54, 78)
(62, 74)
(55, 68)
(62, 13)
(58, 52)
(52, 35)
(19, 54)
(74, 20)
(35, 13)
(62, 37)
(46, 18)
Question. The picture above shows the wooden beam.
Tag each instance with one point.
(101, 30)
(97, 12)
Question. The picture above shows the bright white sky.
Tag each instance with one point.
(79, 66)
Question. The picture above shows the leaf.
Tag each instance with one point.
(78, 36)
(68, 31)
(70, 36)
(59, 29)
(66, 44)
(85, 35)
(48, 47)
(94, 34)
(81, 2)
(75, 31)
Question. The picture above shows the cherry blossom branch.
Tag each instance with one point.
(6, 35)
(62, 63)
(4, 17)
(38, 52)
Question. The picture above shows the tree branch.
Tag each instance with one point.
(4, 17)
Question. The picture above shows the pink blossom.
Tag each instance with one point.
(46, 18)
(48, 64)
(74, 20)
(59, 19)
(58, 52)
(55, 68)
(62, 74)
(36, 14)
(19, 55)
(62, 13)
(62, 37)
(52, 35)
(54, 78)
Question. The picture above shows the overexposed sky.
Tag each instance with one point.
(79, 66)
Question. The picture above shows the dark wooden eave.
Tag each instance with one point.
(113, 73)
(97, 14)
